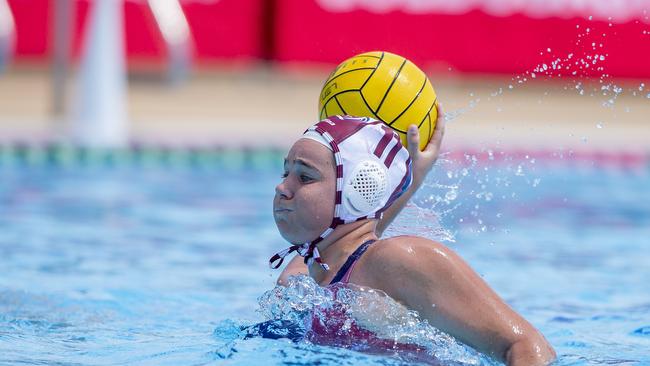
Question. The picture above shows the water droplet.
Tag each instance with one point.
(548, 50)
(584, 139)
(536, 182)
(510, 86)
(591, 17)
(451, 195)
(599, 125)
(520, 171)
(648, 96)
(533, 75)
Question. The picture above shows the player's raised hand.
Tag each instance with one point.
(423, 160)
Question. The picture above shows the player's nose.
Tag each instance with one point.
(282, 190)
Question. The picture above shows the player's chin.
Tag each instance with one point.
(286, 229)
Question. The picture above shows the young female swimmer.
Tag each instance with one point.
(344, 181)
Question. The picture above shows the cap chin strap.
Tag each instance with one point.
(308, 250)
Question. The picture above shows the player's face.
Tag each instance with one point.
(303, 206)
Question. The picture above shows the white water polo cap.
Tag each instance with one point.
(373, 169)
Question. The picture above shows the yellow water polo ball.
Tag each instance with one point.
(384, 86)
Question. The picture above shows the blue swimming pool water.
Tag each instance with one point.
(160, 264)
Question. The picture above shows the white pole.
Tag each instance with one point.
(100, 116)
(6, 34)
(63, 22)
(175, 30)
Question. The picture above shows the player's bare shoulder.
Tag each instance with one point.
(403, 253)
(402, 264)
(396, 247)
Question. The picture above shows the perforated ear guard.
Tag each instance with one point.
(366, 187)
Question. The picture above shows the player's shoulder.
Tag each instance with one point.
(400, 261)
(405, 250)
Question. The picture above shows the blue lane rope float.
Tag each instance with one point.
(139, 156)
(57, 155)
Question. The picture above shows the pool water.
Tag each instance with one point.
(161, 264)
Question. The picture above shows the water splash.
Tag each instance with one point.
(449, 200)
(467, 191)
(303, 301)
(425, 221)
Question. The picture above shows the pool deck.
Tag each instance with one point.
(271, 107)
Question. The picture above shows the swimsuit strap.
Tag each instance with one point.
(343, 275)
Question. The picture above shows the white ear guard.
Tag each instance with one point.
(366, 188)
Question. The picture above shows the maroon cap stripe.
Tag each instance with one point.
(341, 130)
(399, 188)
(339, 194)
(339, 171)
(391, 155)
(381, 146)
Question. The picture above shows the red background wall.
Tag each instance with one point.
(301, 31)
(225, 29)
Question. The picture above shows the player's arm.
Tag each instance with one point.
(430, 278)
(422, 162)
(295, 266)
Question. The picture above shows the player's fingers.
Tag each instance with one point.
(438, 132)
(413, 138)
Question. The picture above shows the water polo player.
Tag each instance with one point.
(343, 182)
